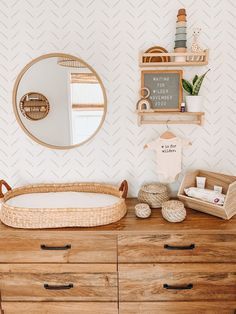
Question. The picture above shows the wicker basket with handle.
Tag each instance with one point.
(38, 218)
(153, 194)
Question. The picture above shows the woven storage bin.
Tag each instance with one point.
(173, 211)
(38, 218)
(153, 194)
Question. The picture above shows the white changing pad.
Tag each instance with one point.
(63, 200)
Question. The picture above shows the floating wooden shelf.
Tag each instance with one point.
(192, 59)
(170, 117)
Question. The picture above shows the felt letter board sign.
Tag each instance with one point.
(165, 88)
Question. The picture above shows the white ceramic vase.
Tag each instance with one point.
(194, 103)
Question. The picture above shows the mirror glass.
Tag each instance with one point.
(59, 100)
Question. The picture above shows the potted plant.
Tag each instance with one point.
(193, 100)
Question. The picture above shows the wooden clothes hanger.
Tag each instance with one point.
(167, 134)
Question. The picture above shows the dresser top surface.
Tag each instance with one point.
(195, 223)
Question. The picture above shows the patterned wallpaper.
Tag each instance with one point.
(108, 34)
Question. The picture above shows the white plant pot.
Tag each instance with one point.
(194, 103)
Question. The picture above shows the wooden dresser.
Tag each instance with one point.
(134, 266)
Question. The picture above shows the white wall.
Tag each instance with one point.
(51, 80)
(109, 34)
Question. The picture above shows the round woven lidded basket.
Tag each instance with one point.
(153, 194)
(173, 211)
(142, 210)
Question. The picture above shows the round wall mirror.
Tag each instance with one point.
(59, 101)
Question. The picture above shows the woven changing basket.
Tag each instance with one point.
(173, 211)
(153, 194)
(38, 218)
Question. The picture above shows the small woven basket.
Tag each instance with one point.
(173, 211)
(153, 194)
(142, 210)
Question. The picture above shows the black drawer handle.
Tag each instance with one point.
(55, 248)
(59, 287)
(176, 287)
(177, 247)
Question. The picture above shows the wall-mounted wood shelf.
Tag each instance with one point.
(192, 59)
(170, 117)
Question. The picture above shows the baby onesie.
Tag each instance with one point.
(169, 157)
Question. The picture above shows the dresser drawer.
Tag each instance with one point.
(177, 282)
(48, 282)
(59, 247)
(176, 248)
(177, 308)
(60, 308)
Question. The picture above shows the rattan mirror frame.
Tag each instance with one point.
(14, 99)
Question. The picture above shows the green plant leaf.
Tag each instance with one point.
(195, 78)
(187, 86)
(198, 83)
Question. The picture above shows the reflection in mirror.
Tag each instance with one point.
(76, 96)
(87, 105)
